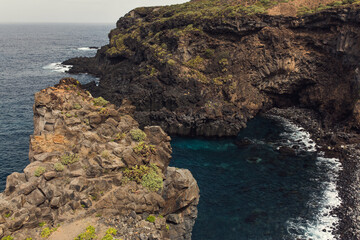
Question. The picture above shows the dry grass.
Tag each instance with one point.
(291, 8)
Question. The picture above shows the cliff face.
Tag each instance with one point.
(205, 69)
(91, 165)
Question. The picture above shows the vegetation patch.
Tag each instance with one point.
(110, 233)
(105, 154)
(196, 62)
(8, 214)
(59, 167)
(137, 135)
(46, 232)
(89, 234)
(104, 111)
(68, 159)
(7, 238)
(77, 106)
(100, 101)
(148, 176)
(144, 149)
(39, 171)
(42, 224)
(151, 218)
(119, 136)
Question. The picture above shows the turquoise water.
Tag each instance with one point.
(253, 191)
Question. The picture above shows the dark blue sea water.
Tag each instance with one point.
(248, 191)
(26, 52)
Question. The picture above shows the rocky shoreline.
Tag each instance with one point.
(341, 144)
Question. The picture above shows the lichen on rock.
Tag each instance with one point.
(76, 173)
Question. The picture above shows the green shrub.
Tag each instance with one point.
(110, 234)
(195, 62)
(119, 137)
(77, 106)
(167, 227)
(104, 111)
(67, 159)
(59, 167)
(28, 238)
(39, 171)
(111, 231)
(100, 101)
(148, 176)
(137, 135)
(171, 62)
(144, 149)
(46, 232)
(108, 237)
(136, 173)
(42, 224)
(7, 238)
(89, 234)
(152, 181)
(151, 218)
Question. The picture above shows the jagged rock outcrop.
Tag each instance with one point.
(200, 69)
(90, 164)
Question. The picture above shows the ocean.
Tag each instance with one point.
(250, 188)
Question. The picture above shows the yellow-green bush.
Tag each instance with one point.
(89, 234)
(100, 101)
(7, 238)
(59, 167)
(148, 176)
(67, 159)
(151, 218)
(39, 171)
(144, 149)
(137, 135)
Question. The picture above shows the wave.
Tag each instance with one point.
(58, 67)
(295, 135)
(322, 226)
(87, 48)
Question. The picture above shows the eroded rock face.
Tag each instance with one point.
(78, 152)
(195, 74)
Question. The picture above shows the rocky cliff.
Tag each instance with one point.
(207, 67)
(94, 172)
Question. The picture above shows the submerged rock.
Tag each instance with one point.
(86, 168)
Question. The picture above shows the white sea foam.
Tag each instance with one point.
(87, 49)
(57, 67)
(321, 226)
(296, 136)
